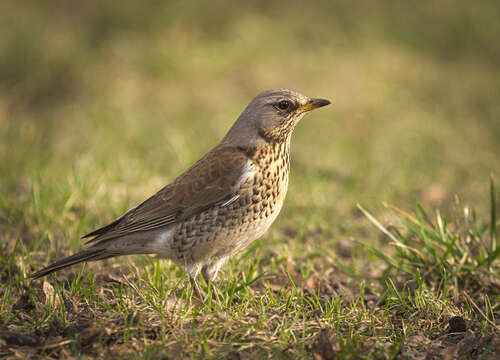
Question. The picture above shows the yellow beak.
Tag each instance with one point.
(313, 104)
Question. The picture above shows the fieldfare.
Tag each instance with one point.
(221, 204)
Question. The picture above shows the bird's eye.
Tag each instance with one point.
(284, 105)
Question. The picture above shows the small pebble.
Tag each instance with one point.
(457, 324)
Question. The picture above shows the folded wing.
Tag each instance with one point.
(213, 180)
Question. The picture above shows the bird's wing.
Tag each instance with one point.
(212, 180)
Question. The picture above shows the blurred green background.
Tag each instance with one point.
(102, 103)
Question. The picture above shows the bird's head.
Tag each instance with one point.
(271, 117)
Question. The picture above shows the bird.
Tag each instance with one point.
(221, 204)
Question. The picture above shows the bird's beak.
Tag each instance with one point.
(313, 104)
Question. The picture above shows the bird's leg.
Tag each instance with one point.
(193, 271)
(196, 288)
(209, 273)
(213, 291)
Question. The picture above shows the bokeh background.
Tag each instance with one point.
(102, 103)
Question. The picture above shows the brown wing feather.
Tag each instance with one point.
(211, 180)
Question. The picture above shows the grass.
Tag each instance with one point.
(461, 251)
(272, 306)
(102, 107)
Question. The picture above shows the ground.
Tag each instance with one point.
(387, 246)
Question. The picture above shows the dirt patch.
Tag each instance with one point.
(325, 345)
(468, 345)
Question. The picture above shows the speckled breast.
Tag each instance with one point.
(228, 228)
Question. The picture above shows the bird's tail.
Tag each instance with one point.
(90, 254)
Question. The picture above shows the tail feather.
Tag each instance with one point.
(89, 254)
